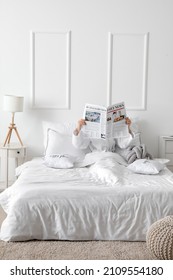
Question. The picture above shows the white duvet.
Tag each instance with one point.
(104, 201)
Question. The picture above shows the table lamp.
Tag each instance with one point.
(13, 104)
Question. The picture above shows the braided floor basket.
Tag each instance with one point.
(159, 238)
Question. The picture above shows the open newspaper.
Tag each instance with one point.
(103, 123)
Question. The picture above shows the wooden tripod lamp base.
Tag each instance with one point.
(11, 128)
(8, 137)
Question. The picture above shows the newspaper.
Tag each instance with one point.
(105, 122)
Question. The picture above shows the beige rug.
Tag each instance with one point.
(72, 250)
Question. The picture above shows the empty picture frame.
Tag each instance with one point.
(127, 69)
(50, 69)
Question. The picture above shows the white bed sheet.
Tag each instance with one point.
(89, 203)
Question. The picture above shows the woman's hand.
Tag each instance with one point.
(80, 123)
(128, 122)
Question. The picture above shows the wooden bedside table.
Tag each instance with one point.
(12, 150)
(166, 149)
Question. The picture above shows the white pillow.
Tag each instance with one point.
(59, 161)
(146, 166)
(65, 128)
(104, 174)
(58, 143)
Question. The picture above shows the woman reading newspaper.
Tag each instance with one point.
(80, 140)
(109, 129)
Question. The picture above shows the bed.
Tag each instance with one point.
(99, 198)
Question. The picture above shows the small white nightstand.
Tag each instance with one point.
(12, 150)
(166, 149)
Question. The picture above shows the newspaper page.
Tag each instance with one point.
(116, 126)
(95, 117)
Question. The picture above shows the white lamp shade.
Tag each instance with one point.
(13, 103)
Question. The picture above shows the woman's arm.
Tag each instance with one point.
(124, 142)
(78, 138)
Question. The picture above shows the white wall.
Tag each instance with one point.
(90, 22)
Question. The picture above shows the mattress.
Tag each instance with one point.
(103, 201)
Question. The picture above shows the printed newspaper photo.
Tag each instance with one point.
(103, 123)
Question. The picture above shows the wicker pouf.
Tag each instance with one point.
(160, 238)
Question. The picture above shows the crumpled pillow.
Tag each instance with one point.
(105, 171)
(59, 161)
(146, 166)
